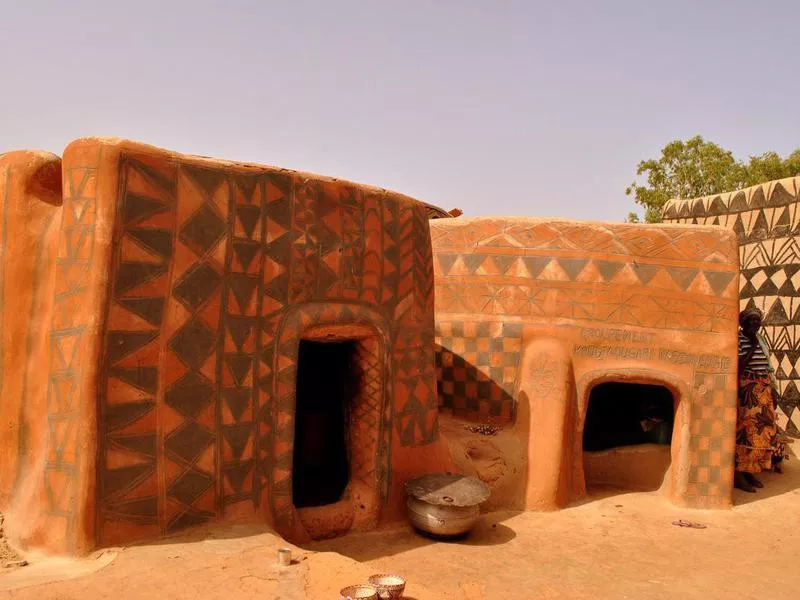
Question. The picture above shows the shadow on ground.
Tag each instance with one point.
(222, 531)
(775, 484)
(489, 531)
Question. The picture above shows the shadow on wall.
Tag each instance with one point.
(487, 439)
(475, 392)
(538, 460)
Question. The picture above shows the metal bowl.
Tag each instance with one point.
(359, 592)
(445, 504)
(388, 586)
(441, 521)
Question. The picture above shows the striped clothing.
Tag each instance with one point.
(759, 362)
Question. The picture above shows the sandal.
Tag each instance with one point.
(689, 524)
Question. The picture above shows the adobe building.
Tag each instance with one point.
(186, 339)
(570, 335)
(766, 221)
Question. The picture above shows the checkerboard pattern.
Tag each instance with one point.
(476, 368)
(711, 450)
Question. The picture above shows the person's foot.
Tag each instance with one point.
(777, 468)
(753, 480)
(740, 482)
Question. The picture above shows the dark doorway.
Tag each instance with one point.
(627, 414)
(326, 387)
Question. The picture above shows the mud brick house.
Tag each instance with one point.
(190, 339)
(766, 221)
(572, 334)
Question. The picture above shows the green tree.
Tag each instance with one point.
(695, 168)
(770, 166)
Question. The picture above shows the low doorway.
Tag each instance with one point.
(326, 387)
(627, 435)
(339, 401)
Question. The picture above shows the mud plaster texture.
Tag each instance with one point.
(531, 314)
(766, 221)
(499, 460)
(616, 545)
(30, 215)
(173, 293)
(8, 556)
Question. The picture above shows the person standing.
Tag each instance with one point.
(756, 427)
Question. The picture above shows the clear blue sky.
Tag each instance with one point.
(494, 106)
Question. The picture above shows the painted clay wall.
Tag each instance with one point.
(182, 289)
(766, 221)
(30, 215)
(531, 314)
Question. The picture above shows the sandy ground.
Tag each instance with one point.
(616, 545)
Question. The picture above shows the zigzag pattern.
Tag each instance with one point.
(773, 194)
(766, 219)
(585, 269)
(217, 273)
(244, 264)
(508, 273)
(69, 353)
(129, 483)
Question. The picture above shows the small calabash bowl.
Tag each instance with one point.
(388, 586)
(359, 592)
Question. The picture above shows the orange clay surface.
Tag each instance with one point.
(614, 545)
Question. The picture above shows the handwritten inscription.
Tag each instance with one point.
(596, 334)
(613, 352)
(703, 362)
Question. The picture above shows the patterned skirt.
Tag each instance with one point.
(756, 429)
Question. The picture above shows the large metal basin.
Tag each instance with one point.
(445, 505)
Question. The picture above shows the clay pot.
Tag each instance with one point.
(388, 586)
(443, 521)
(359, 592)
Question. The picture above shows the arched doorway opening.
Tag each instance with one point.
(627, 435)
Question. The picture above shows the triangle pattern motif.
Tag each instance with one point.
(217, 273)
(242, 280)
(139, 293)
(765, 221)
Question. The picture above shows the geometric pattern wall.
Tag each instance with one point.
(214, 273)
(766, 219)
(505, 273)
(476, 368)
(69, 338)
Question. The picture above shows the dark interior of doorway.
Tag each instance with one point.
(326, 387)
(628, 414)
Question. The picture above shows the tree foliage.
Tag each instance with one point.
(695, 168)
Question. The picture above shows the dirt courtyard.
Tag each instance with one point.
(616, 545)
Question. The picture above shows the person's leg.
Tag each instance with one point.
(756, 439)
(753, 480)
(740, 482)
(777, 459)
